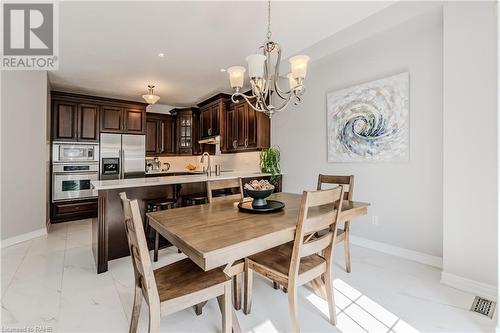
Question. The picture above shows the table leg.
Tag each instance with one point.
(231, 271)
(157, 245)
(235, 322)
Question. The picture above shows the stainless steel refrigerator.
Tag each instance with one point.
(122, 156)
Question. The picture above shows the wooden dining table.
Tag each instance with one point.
(219, 235)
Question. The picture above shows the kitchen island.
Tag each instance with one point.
(109, 239)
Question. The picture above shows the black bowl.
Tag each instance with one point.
(259, 197)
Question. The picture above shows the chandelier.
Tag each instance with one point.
(263, 82)
(150, 97)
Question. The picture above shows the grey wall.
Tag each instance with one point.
(470, 141)
(406, 197)
(24, 154)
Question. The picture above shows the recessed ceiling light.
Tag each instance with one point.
(161, 55)
(222, 70)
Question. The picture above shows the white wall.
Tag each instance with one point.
(406, 197)
(470, 142)
(24, 154)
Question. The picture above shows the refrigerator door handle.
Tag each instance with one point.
(122, 162)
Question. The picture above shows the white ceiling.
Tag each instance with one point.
(111, 48)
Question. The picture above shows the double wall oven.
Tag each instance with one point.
(74, 166)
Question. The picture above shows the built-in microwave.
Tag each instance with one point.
(64, 152)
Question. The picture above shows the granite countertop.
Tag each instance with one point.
(170, 180)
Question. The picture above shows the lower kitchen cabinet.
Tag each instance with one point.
(73, 210)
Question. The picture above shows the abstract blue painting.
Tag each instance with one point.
(369, 122)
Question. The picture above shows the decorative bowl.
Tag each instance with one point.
(259, 197)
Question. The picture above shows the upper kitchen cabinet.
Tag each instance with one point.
(88, 122)
(134, 120)
(123, 119)
(64, 120)
(213, 116)
(160, 134)
(78, 117)
(111, 119)
(186, 131)
(246, 129)
(74, 119)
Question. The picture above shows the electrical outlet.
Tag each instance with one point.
(375, 220)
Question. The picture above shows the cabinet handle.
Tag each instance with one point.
(162, 137)
(210, 131)
(246, 143)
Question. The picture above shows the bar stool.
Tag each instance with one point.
(194, 199)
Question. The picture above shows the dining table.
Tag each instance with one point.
(218, 234)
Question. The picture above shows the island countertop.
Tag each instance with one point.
(170, 180)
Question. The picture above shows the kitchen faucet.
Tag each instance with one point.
(202, 160)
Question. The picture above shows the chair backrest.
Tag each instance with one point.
(319, 210)
(213, 185)
(347, 181)
(141, 261)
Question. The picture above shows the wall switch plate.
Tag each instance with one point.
(375, 220)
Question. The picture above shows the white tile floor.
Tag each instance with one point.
(51, 282)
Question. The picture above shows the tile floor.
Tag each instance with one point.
(50, 282)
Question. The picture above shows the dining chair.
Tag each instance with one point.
(342, 234)
(238, 267)
(224, 184)
(296, 263)
(173, 287)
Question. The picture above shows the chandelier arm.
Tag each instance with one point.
(247, 99)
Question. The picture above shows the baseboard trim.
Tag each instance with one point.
(24, 237)
(474, 287)
(420, 257)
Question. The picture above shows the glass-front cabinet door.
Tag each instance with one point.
(185, 132)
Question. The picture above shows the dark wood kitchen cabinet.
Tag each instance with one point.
(246, 129)
(160, 134)
(127, 120)
(74, 121)
(77, 117)
(186, 128)
(213, 116)
(64, 120)
(88, 122)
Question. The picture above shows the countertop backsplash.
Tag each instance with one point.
(237, 162)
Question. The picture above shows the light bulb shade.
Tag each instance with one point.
(236, 76)
(299, 66)
(256, 65)
(150, 97)
(291, 81)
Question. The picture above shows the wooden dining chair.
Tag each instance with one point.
(299, 262)
(342, 234)
(238, 267)
(225, 184)
(173, 287)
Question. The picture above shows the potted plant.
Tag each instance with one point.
(270, 163)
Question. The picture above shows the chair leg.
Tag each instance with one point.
(330, 297)
(276, 285)
(154, 319)
(292, 302)
(237, 292)
(247, 306)
(225, 307)
(347, 253)
(136, 309)
(198, 308)
(157, 245)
